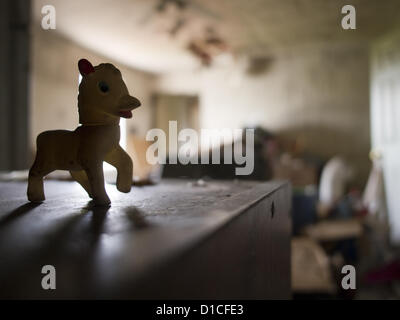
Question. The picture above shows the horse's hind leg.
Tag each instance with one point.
(35, 180)
(81, 177)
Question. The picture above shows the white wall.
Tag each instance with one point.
(319, 92)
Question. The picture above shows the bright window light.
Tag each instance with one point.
(122, 140)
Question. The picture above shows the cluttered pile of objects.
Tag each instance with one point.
(335, 222)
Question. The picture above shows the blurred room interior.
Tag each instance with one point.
(324, 103)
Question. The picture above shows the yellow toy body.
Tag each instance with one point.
(103, 99)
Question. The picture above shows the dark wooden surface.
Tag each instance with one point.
(171, 240)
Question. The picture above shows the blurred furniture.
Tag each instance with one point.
(296, 170)
(311, 270)
(177, 239)
(334, 230)
(142, 169)
(304, 211)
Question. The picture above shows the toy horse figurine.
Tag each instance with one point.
(103, 98)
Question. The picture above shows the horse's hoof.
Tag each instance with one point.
(36, 198)
(102, 202)
(125, 188)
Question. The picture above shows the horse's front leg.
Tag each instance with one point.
(94, 171)
(123, 163)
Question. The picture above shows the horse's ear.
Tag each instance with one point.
(85, 67)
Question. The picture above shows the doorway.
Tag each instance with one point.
(184, 109)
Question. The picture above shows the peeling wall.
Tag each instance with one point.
(317, 92)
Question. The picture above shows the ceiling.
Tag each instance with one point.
(132, 32)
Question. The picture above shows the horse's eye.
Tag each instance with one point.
(103, 86)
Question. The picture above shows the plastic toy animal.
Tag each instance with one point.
(103, 98)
